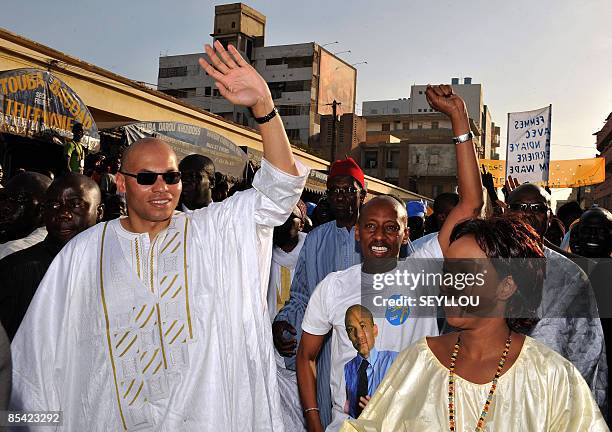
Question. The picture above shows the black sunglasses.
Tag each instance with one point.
(149, 178)
(533, 207)
(351, 190)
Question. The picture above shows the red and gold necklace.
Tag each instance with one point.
(451, 385)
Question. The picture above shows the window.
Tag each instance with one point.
(233, 24)
(393, 158)
(416, 158)
(392, 180)
(180, 93)
(249, 49)
(420, 91)
(371, 159)
(419, 125)
(386, 126)
(292, 86)
(436, 190)
(293, 134)
(216, 93)
(291, 62)
(277, 88)
(173, 72)
(420, 110)
(406, 125)
(298, 62)
(395, 110)
(373, 111)
(291, 110)
(274, 61)
(435, 125)
(242, 43)
(207, 91)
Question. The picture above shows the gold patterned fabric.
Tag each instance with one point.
(148, 318)
(285, 287)
(541, 391)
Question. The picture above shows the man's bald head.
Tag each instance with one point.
(141, 146)
(386, 201)
(78, 182)
(197, 162)
(360, 311)
(530, 194)
(30, 182)
(529, 191)
(599, 213)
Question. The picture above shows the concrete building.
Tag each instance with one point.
(602, 193)
(303, 78)
(350, 133)
(409, 144)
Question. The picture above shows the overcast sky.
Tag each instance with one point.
(526, 53)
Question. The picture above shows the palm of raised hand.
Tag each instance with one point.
(237, 80)
(243, 86)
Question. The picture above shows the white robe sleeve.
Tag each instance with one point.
(36, 373)
(278, 193)
(268, 204)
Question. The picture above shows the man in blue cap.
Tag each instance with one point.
(416, 219)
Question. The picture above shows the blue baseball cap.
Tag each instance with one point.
(415, 208)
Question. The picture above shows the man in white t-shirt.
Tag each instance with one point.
(363, 345)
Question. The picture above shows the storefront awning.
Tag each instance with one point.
(36, 104)
(188, 139)
(316, 182)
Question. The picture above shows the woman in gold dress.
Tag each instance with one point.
(487, 376)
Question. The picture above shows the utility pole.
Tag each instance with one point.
(334, 106)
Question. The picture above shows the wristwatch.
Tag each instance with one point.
(267, 117)
(463, 138)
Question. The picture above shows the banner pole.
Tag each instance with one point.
(507, 146)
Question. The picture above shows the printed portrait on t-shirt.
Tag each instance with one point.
(364, 372)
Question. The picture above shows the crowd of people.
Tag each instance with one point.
(141, 292)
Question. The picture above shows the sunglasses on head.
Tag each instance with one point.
(533, 207)
(149, 178)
